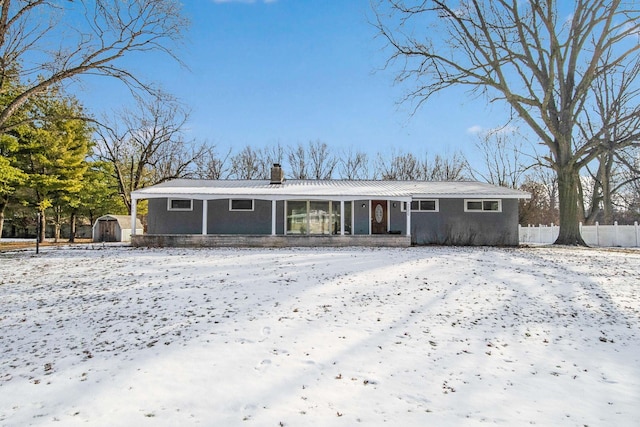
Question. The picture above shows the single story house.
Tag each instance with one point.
(279, 212)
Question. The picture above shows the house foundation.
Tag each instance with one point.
(267, 241)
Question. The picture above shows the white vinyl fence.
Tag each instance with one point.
(626, 236)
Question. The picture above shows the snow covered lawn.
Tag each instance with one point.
(432, 336)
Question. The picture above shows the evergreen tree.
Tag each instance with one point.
(11, 176)
(52, 153)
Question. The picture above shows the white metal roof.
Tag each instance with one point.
(322, 189)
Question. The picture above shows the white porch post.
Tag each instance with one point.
(408, 218)
(273, 217)
(370, 218)
(205, 216)
(342, 217)
(133, 216)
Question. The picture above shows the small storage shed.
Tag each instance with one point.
(114, 228)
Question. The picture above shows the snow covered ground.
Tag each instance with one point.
(431, 336)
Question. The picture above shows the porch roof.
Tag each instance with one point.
(329, 189)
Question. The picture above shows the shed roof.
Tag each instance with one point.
(339, 189)
(124, 221)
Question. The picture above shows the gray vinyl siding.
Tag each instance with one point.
(223, 221)
(450, 226)
(162, 221)
(280, 217)
(361, 217)
(397, 218)
(453, 226)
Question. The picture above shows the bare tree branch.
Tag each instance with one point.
(94, 35)
(147, 146)
(527, 55)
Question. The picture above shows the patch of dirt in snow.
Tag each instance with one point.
(439, 336)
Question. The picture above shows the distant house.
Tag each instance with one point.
(280, 212)
(115, 228)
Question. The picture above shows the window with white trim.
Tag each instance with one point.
(179, 205)
(423, 205)
(483, 205)
(313, 217)
(241, 204)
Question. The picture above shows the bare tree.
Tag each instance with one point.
(271, 155)
(407, 166)
(542, 183)
(449, 168)
(212, 166)
(322, 163)
(147, 146)
(399, 166)
(313, 161)
(501, 151)
(353, 165)
(605, 191)
(247, 164)
(46, 42)
(297, 159)
(631, 194)
(615, 121)
(540, 208)
(529, 55)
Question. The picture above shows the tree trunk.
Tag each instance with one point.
(568, 179)
(3, 204)
(607, 199)
(591, 216)
(56, 231)
(72, 227)
(43, 226)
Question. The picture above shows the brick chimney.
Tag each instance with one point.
(277, 174)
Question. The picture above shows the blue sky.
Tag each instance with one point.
(292, 71)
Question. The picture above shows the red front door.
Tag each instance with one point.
(379, 217)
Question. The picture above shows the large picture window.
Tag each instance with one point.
(319, 217)
(297, 217)
(180, 205)
(316, 217)
(483, 205)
